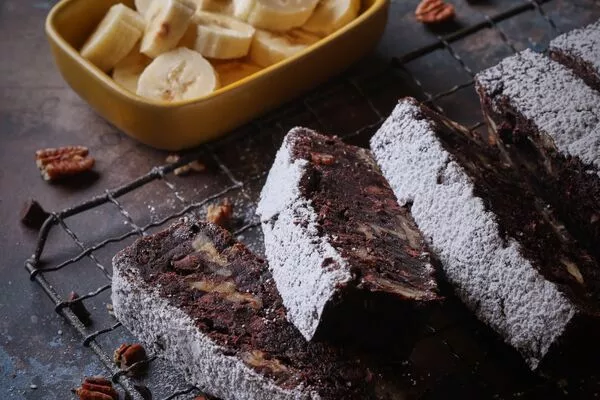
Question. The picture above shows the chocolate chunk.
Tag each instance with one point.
(33, 214)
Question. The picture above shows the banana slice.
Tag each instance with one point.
(142, 6)
(127, 71)
(179, 74)
(222, 37)
(280, 15)
(241, 8)
(224, 7)
(114, 37)
(234, 70)
(269, 48)
(189, 37)
(168, 20)
(331, 15)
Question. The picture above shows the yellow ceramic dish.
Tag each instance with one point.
(184, 124)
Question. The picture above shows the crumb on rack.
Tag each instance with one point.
(220, 214)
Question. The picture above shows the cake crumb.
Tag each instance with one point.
(193, 166)
(220, 214)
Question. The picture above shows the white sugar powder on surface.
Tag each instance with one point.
(582, 44)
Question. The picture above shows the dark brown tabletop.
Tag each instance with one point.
(42, 355)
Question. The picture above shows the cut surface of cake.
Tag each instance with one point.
(346, 258)
(207, 304)
(548, 121)
(509, 258)
(579, 50)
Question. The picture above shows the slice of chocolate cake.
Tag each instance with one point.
(507, 255)
(348, 261)
(579, 50)
(548, 121)
(207, 304)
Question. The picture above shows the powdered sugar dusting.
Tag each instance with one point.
(296, 253)
(493, 279)
(583, 44)
(171, 333)
(560, 104)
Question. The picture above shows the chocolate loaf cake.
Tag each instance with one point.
(548, 121)
(579, 50)
(207, 304)
(348, 262)
(508, 256)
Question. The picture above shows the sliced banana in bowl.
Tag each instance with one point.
(164, 84)
(269, 48)
(224, 7)
(114, 37)
(127, 71)
(222, 37)
(142, 6)
(231, 71)
(278, 15)
(331, 15)
(168, 20)
(179, 74)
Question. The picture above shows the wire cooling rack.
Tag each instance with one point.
(455, 355)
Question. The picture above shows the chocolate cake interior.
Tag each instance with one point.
(524, 216)
(569, 185)
(231, 296)
(388, 257)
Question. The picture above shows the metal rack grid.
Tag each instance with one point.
(442, 332)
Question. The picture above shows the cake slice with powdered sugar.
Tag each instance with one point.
(548, 121)
(348, 262)
(508, 256)
(579, 50)
(207, 304)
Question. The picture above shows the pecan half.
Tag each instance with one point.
(322, 158)
(434, 11)
(96, 388)
(129, 354)
(56, 163)
(220, 214)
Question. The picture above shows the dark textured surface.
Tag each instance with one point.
(457, 355)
